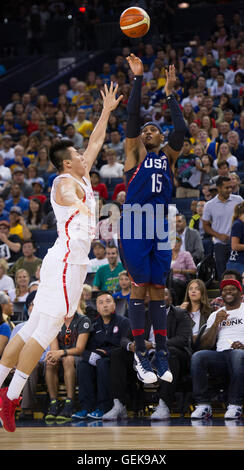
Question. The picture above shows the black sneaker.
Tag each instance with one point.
(53, 410)
(67, 411)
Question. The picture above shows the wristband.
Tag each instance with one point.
(64, 353)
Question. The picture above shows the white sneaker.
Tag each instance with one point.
(202, 411)
(117, 412)
(143, 368)
(233, 412)
(161, 412)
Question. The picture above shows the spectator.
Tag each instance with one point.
(108, 331)
(118, 188)
(99, 188)
(34, 218)
(191, 240)
(236, 184)
(16, 199)
(240, 129)
(10, 245)
(197, 224)
(125, 287)
(182, 266)
(21, 290)
(217, 216)
(107, 228)
(4, 215)
(221, 87)
(71, 134)
(18, 177)
(117, 145)
(197, 305)
(112, 169)
(188, 174)
(49, 221)
(28, 261)
(218, 302)
(83, 125)
(107, 276)
(17, 224)
(19, 159)
(6, 282)
(5, 173)
(236, 147)
(38, 188)
(7, 151)
(5, 332)
(224, 331)
(236, 260)
(224, 155)
(207, 170)
(206, 192)
(98, 247)
(42, 162)
(66, 350)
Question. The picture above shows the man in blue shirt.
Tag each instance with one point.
(16, 199)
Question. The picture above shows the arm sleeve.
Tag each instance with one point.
(177, 136)
(133, 108)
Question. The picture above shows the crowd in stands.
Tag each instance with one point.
(208, 173)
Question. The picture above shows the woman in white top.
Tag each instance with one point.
(21, 291)
(223, 155)
(112, 169)
(197, 305)
(6, 282)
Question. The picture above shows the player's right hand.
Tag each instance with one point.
(135, 64)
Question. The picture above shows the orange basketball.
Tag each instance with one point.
(134, 22)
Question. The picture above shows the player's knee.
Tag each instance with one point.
(156, 292)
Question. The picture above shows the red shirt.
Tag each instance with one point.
(42, 198)
(119, 187)
(101, 189)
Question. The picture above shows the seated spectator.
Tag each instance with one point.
(29, 397)
(4, 215)
(31, 173)
(86, 304)
(5, 173)
(28, 261)
(18, 177)
(99, 188)
(7, 150)
(118, 188)
(10, 245)
(112, 169)
(49, 221)
(108, 331)
(223, 170)
(191, 240)
(197, 224)
(206, 192)
(196, 303)
(107, 276)
(117, 145)
(224, 332)
(207, 170)
(5, 333)
(107, 227)
(124, 287)
(6, 305)
(71, 134)
(38, 188)
(218, 302)
(236, 184)
(6, 282)
(19, 159)
(34, 218)
(42, 162)
(236, 260)
(182, 266)
(83, 125)
(21, 290)
(220, 87)
(236, 148)
(98, 247)
(187, 172)
(120, 199)
(17, 224)
(16, 199)
(224, 155)
(66, 350)
(217, 216)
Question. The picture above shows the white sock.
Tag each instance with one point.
(4, 371)
(17, 384)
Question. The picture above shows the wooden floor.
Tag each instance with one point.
(156, 437)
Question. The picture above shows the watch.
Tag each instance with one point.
(64, 352)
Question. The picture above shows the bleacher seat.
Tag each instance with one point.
(183, 205)
(111, 183)
(44, 239)
(19, 313)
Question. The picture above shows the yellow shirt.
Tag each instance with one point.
(17, 230)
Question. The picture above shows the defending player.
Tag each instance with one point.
(148, 168)
(64, 267)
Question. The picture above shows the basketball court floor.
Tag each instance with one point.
(131, 434)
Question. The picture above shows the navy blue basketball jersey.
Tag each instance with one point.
(151, 181)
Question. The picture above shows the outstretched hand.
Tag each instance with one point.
(135, 64)
(170, 79)
(110, 101)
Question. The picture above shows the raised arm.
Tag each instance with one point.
(110, 102)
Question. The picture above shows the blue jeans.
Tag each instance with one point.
(238, 266)
(93, 385)
(228, 363)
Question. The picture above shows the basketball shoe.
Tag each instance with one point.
(7, 410)
(160, 364)
(143, 368)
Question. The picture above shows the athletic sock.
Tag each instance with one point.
(17, 384)
(157, 311)
(4, 371)
(137, 322)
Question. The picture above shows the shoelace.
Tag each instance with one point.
(145, 363)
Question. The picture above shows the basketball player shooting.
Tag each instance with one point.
(64, 267)
(148, 173)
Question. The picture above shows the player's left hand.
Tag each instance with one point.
(170, 80)
(110, 101)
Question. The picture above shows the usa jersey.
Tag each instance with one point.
(151, 181)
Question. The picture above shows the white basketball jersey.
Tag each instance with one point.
(75, 230)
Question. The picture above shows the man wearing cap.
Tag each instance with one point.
(98, 247)
(16, 199)
(38, 187)
(10, 245)
(225, 332)
(17, 224)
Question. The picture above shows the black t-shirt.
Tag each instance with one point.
(8, 254)
(67, 336)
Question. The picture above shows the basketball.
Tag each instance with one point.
(134, 22)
